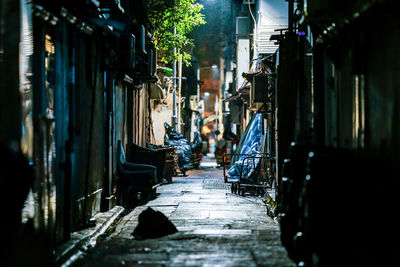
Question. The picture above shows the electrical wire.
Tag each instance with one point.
(251, 13)
(255, 24)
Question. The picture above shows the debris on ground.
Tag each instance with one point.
(153, 224)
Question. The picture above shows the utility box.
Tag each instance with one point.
(142, 40)
(258, 91)
(127, 51)
(152, 60)
(242, 27)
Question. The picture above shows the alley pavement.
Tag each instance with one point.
(216, 228)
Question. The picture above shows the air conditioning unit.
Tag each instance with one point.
(152, 60)
(242, 27)
(142, 40)
(127, 51)
(258, 92)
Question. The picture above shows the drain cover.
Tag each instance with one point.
(216, 184)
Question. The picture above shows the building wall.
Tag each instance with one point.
(382, 87)
(143, 115)
(63, 106)
(89, 147)
(10, 97)
(242, 59)
(160, 113)
(361, 89)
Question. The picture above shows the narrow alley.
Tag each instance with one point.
(199, 133)
(216, 228)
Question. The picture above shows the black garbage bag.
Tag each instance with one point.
(153, 146)
(184, 148)
(172, 133)
(153, 224)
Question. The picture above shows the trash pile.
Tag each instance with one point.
(153, 146)
(184, 148)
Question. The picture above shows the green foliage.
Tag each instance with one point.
(165, 15)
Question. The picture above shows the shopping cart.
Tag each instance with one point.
(252, 176)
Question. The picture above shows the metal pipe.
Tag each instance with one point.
(290, 11)
(179, 91)
(174, 92)
(198, 88)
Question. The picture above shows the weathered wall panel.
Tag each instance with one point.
(383, 85)
(160, 113)
(87, 179)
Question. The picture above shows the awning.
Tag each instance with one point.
(242, 92)
(209, 118)
(231, 98)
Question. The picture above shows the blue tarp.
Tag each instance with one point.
(250, 145)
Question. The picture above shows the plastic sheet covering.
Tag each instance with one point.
(184, 149)
(250, 145)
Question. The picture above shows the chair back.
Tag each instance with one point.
(121, 152)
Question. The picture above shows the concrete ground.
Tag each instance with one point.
(215, 227)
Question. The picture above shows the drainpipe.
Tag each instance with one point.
(174, 92)
(198, 88)
(290, 11)
(179, 91)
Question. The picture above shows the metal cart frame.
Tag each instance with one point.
(242, 186)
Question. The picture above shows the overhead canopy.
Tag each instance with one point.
(243, 91)
(209, 118)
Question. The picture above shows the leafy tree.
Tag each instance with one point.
(165, 15)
